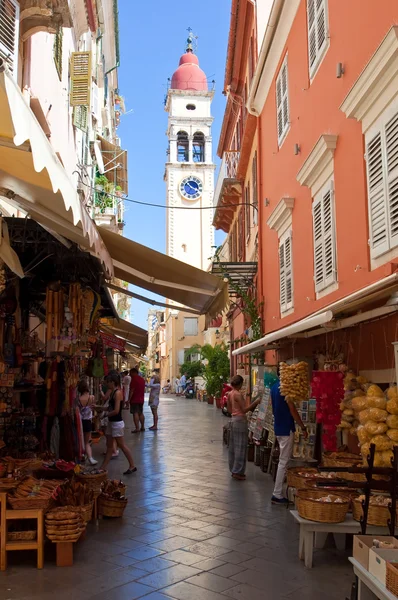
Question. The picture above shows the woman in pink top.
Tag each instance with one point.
(238, 407)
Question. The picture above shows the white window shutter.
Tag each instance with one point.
(282, 101)
(324, 239)
(317, 31)
(286, 274)
(379, 243)
(9, 34)
(391, 132)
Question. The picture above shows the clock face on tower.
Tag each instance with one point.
(191, 188)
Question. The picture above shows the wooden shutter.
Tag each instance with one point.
(58, 39)
(255, 197)
(324, 239)
(247, 212)
(80, 117)
(286, 273)
(80, 75)
(377, 196)
(391, 133)
(282, 101)
(9, 34)
(317, 31)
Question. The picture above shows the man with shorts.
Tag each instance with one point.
(137, 397)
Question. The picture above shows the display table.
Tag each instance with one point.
(308, 530)
(369, 588)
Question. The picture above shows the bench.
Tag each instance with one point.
(315, 534)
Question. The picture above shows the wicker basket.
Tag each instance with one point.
(86, 511)
(108, 507)
(26, 536)
(377, 515)
(392, 578)
(295, 480)
(30, 503)
(322, 512)
(6, 485)
(329, 459)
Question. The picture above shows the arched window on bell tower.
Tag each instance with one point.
(198, 147)
(182, 146)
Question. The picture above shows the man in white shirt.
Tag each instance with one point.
(126, 388)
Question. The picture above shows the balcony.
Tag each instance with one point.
(240, 276)
(228, 191)
(42, 15)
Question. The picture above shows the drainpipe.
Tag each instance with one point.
(117, 42)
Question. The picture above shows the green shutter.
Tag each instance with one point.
(58, 51)
(80, 117)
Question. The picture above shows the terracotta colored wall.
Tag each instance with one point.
(356, 29)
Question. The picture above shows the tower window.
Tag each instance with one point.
(182, 146)
(198, 147)
(191, 107)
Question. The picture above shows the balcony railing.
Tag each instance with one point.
(227, 175)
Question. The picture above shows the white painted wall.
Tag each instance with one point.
(263, 10)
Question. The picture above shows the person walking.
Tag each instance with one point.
(85, 402)
(137, 398)
(154, 393)
(238, 407)
(285, 417)
(115, 428)
(126, 389)
(177, 385)
(183, 383)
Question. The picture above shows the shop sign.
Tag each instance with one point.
(113, 342)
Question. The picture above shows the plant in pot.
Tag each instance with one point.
(216, 371)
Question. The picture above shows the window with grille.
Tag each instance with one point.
(317, 22)
(382, 178)
(9, 34)
(58, 51)
(282, 102)
(285, 272)
(247, 211)
(190, 326)
(255, 197)
(325, 273)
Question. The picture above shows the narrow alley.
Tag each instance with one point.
(189, 532)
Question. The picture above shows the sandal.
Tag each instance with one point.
(238, 477)
(130, 471)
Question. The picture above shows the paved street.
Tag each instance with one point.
(189, 532)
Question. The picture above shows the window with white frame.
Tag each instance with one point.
(286, 272)
(9, 34)
(317, 22)
(382, 178)
(282, 102)
(181, 357)
(190, 326)
(324, 238)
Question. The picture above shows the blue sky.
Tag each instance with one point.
(152, 39)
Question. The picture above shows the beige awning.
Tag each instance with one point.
(33, 179)
(115, 163)
(126, 331)
(166, 276)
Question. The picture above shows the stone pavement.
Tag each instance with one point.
(189, 532)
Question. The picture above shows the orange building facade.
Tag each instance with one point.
(323, 101)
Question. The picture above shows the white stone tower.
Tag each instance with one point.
(190, 169)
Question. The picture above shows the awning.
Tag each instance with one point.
(325, 319)
(32, 177)
(115, 163)
(166, 276)
(127, 331)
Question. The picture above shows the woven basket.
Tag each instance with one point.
(6, 485)
(108, 507)
(392, 578)
(86, 511)
(30, 503)
(14, 536)
(295, 480)
(323, 512)
(329, 458)
(93, 482)
(377, 515)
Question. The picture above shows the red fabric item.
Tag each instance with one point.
(328, 389)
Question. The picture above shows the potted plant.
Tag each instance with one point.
(216, 371)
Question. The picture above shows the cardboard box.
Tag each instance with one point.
(377, 562)
(363, 543)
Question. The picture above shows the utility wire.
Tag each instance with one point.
(168, 205)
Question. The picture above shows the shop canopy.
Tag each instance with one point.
(126, 331)
(33, 179)
(363, 305)
(166, 276)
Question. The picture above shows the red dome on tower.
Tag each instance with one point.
(189, 76)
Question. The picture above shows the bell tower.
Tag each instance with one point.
(189, 173)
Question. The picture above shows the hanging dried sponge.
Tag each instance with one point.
(393, 435)
(374, 390)
(376, 402)
(374, 428)
(392, 406)
(382, 442)
(392, 392)
(363, 435)
(392, 421)
(294, 381)
(359, 403)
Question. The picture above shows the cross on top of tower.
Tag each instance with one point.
(191, 41)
